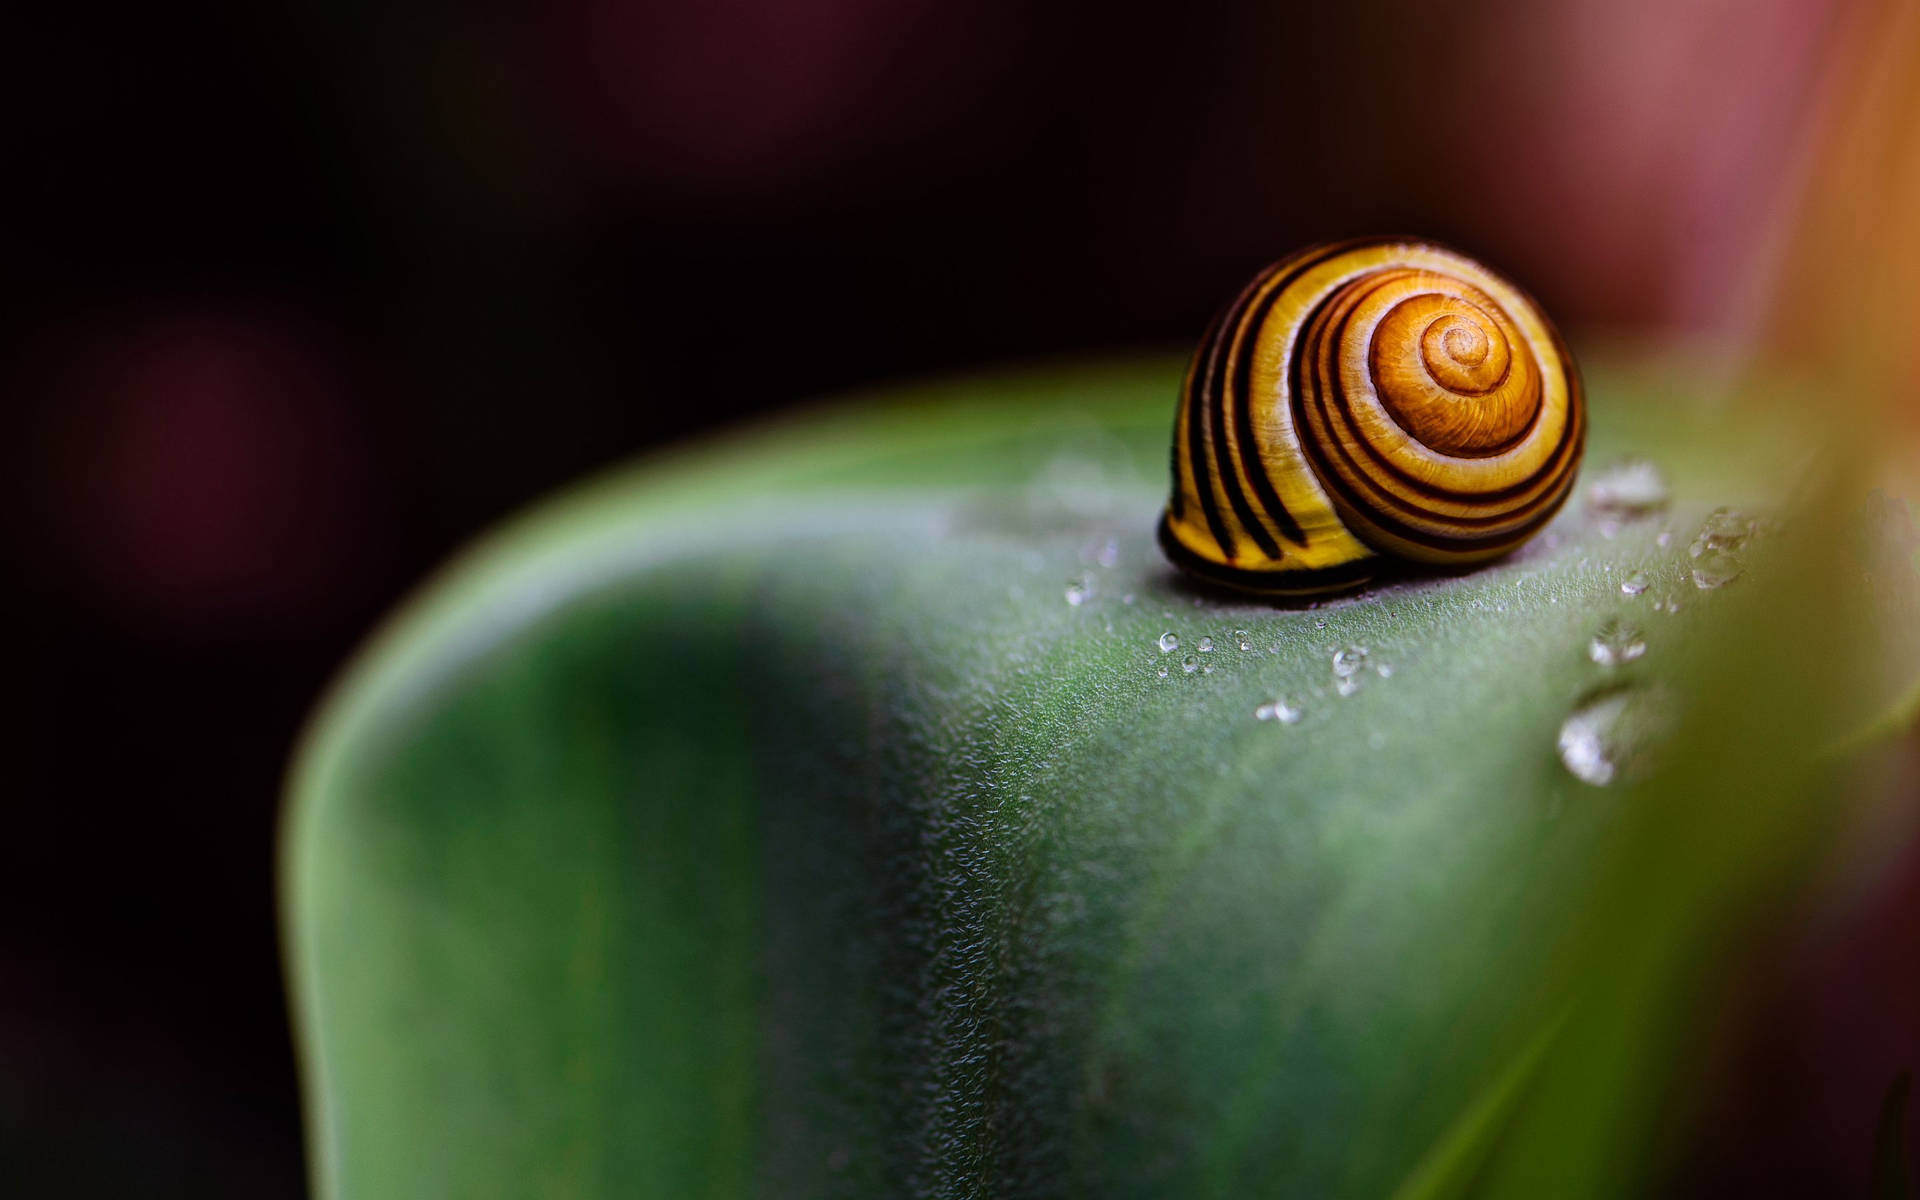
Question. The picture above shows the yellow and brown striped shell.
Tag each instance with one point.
(1366, 399)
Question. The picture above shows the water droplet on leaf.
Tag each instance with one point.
(1281, 710)
(1725, 529)
(1615, 643)
(1715, 570)
(1348, 663)
(1628, 489)
(1613, 733)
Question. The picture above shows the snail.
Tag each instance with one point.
(1367, 402)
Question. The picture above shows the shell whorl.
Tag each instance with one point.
(1366, 399)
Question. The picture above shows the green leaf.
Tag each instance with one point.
(1450, 1168)
(767, 819)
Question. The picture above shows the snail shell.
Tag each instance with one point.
(1364, 400)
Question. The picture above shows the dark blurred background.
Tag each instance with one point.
(304, 296)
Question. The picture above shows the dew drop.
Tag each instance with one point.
(1320, 624)
(1615, 643)
(1724, 530)
(1242, 639)
(1190, 664)
(1205, 645)
(1634, 584)
(1109, 554)
(1168, 643)
(1163, 672)
(1715, 569)
(1077, 592)
(1348, 664)
(1613, 733)
(1281, 710)
(1665, 539)
(1628, 489)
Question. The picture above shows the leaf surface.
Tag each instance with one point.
(817, 813)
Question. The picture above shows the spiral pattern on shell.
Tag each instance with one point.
(1366, 399)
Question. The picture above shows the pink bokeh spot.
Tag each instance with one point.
(736, 92)
(1641, 147)
(210, 472)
